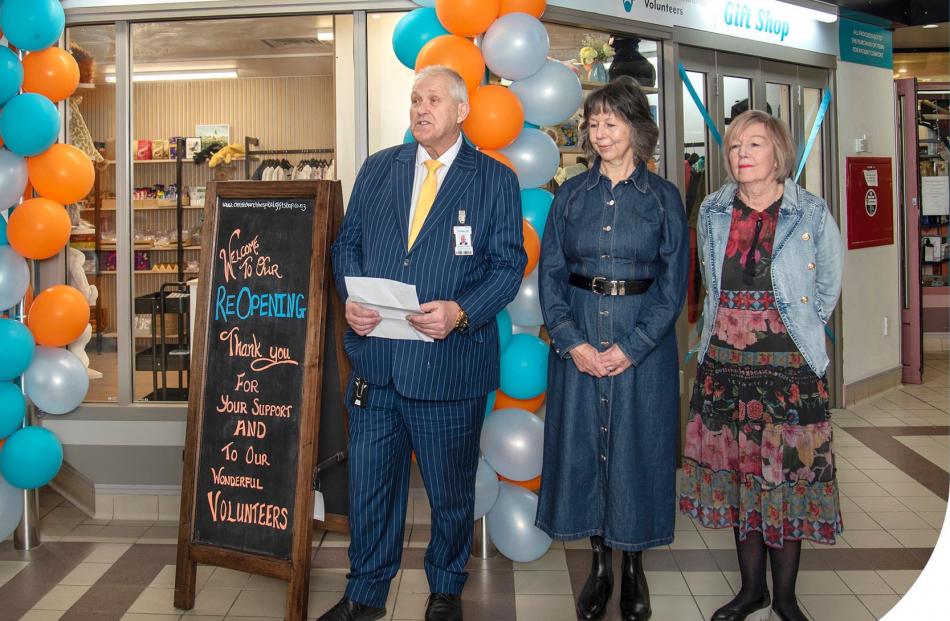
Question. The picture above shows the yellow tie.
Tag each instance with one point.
(426, 197)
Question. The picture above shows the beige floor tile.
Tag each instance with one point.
(835, 607)
(260, 603)
(859, 520)
(547, 608)
(44, 615)
(891, 476)
(160, 534)
(107, 552)
(719, 538)
(875, 504)
(9, 569)
(166, 577)
(849, 475)
(83, 532)
(899, 579)
(193, 617)
(905, 520)
(328, 579)
(137, 616)
(410, 606)
(879, 605)
(53, 532)
(322, 601)
(906, 489)
(862, 490)
(666, 583)
(934, 518)
(922, 538)
(870, 539)
(542, 583)
(688, 541)
(734, 580)
(553, 560)
(414, 581)
(155, 601)
(925, 503)
(223, 578)
(577, 544)
(679, 607)
(865, 583)
(870, 463)
(213, 601)
(265, 583)
(70, 516)
(820, 583)
(85, 574)
(61, 597)
(707, 583)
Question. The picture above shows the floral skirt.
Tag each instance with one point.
(758, 452)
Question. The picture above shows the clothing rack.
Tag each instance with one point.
(251, 155)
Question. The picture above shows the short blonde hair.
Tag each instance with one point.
(777, 132)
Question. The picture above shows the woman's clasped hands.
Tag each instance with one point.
(607, 363)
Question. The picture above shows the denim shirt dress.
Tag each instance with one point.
(610, 444)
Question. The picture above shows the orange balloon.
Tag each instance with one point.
(503, 401)
(532, 485)
(531, 7)
(466, 18)
(62, 173)
(38, 228)
(501, 157)
(58, 316)
(496, 118)
(532, 246)
(52, 72)
(456, 53)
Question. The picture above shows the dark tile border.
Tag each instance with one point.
(48, 564)
(881, 440)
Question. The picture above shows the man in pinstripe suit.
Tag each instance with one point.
(447, 219)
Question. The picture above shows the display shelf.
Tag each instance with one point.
(112, 272)
(573, 149)
(172, 161)
(589, 86)
(148, 247)
(143, 204)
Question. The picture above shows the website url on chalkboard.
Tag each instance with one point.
(271, 205)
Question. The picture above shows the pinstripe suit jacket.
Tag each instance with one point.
(372, 242)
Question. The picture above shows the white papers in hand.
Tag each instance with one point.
(393, 300)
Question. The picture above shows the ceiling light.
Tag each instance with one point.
(325, 35)
(171, 76)
(930, 26)
(902, 70)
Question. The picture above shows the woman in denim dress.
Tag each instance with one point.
(613, 273)
(758, 450)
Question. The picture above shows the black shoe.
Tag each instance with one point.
(348, 610)
(592, 602)
(751, 611)
(444, 607)
(634, 593)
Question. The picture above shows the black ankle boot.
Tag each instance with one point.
(747, 611)
(600, 583)
(634, 593)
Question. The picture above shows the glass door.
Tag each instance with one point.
(909, 222)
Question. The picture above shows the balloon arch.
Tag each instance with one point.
(507, 38)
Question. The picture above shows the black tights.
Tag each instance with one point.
(784, 562)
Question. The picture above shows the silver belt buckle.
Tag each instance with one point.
(620, 287)
(596, 285)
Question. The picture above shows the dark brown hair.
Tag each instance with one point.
(625, 98)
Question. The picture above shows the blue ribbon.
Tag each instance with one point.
(699, 104)
(822, 109)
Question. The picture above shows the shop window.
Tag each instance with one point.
(737, 97)
(778, 100)
(695, 164)
(812, 179)
(90, 258)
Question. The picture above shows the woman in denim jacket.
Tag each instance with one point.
(758, 450)
(612, 280)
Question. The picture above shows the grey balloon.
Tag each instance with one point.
(13, 177)
(512, 443)
(486, 488)
(525, 309)
(56, 380)
(511, 525)
(532, 330)
(14, 277)
(549, 96)
(535, 157)
(515, 46)
(11, 508)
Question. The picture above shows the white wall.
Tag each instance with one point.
(870, 290)
(390, 84)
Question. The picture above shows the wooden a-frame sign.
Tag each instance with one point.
(254, 407)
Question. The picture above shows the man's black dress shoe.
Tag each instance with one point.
(444, 607)
(634, 592)
(348, 610)
(752, 611)
(593, 599)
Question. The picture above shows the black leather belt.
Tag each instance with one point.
(602, 286)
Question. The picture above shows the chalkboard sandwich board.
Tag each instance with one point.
(254, 406)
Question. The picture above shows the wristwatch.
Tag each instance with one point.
(461, 321)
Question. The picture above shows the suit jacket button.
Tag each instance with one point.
(811, 266)
(806, 236)
(804, 299)
(405, 263)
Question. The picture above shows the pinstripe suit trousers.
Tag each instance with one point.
(383, 433)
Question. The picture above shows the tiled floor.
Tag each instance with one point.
(893, 460)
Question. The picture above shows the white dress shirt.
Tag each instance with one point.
(421, 171)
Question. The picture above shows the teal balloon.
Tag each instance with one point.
(29, 124)
(32, 24)
(503, 319)
(413, 31)
(11, 508)
(11, 75)
(535, 205)
(408, 138)
(490, 401)
(31, 457)
(12, 408)
(17, 345)
(3, 230)
(531, 125)
(524, 367)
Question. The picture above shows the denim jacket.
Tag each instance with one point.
(806, 266)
